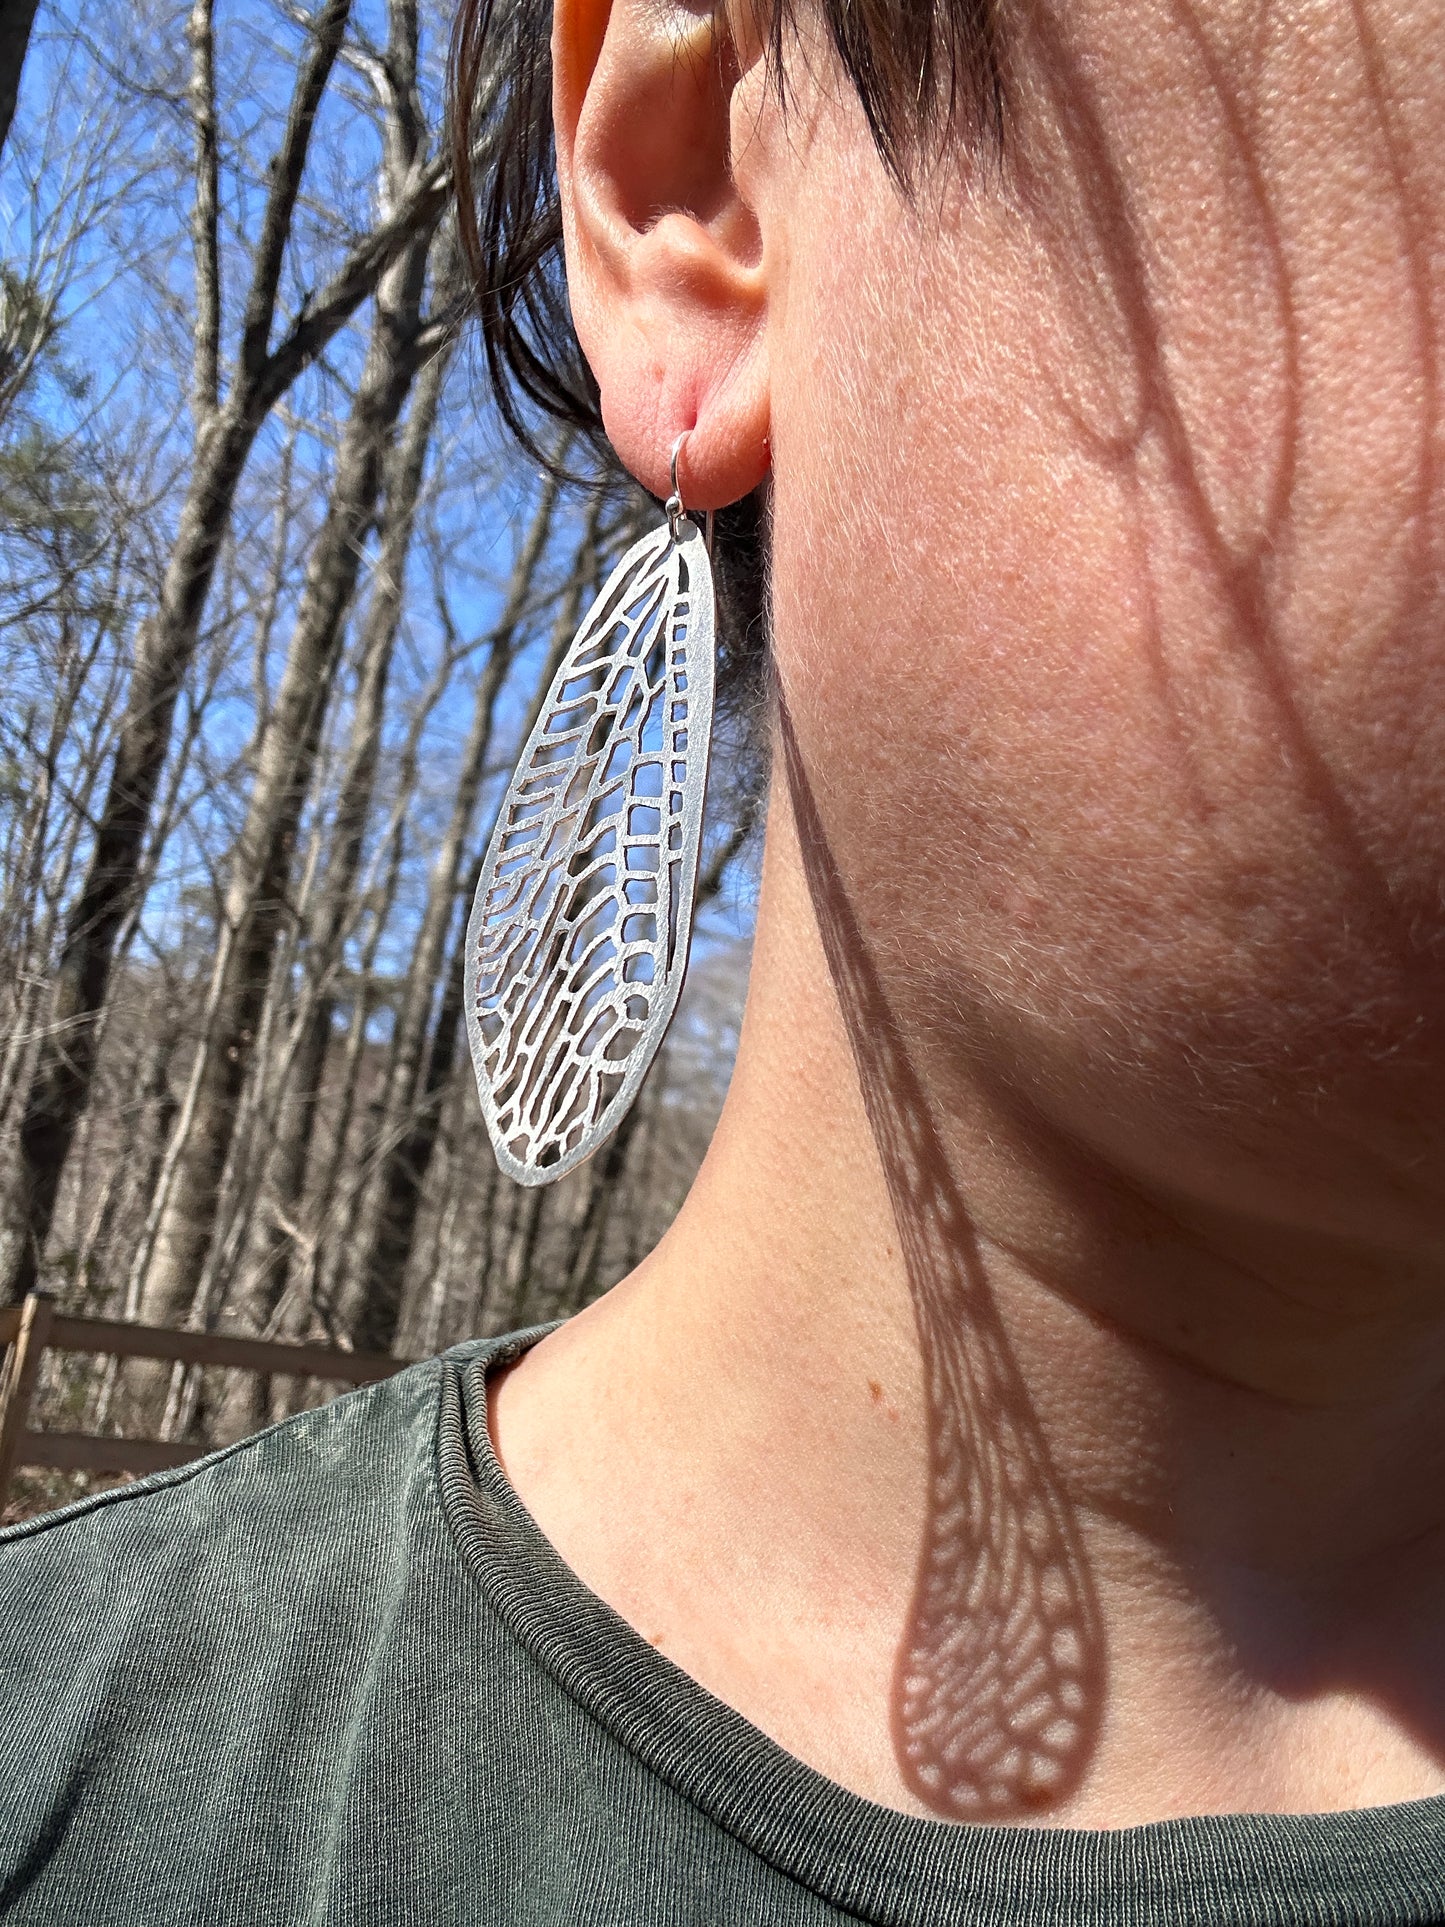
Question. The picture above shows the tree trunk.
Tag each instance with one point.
(272, 1251)
(16, 19)
(65, 1060)
(313, 1023)
(256, 890)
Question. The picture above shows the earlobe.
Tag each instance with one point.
(666, 263)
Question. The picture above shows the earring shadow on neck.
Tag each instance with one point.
(999, 1683)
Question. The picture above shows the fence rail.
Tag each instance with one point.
(32, 1328)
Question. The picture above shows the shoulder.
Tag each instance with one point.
(261, 1516)
(208, 1679)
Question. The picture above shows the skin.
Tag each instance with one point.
(1104, 881)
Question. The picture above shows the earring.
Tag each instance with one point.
(578, 938)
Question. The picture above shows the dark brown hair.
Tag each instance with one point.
(923, 70)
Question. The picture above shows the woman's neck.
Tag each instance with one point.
(979, 1480)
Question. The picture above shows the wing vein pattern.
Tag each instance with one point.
(578, 939)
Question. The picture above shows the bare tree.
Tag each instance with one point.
(226, 428)
(263, 1288)
(256, 891)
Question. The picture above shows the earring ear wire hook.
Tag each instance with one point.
(675, 506)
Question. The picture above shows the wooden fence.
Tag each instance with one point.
(34, 1327)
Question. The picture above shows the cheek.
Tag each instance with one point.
(1177, 853)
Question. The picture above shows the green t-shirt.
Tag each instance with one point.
(334, 1674)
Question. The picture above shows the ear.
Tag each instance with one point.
(665, 260)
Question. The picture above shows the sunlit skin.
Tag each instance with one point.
(1108, 531)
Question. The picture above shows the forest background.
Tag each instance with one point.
(277, 603)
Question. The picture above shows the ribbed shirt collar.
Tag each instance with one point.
(1381, 1866)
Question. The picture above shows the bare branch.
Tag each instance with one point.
(206, 330)
(327, 30)
(344, 293)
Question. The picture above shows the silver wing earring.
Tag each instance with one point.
(578, 938)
